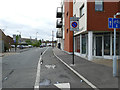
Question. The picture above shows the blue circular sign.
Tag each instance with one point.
(74, 24)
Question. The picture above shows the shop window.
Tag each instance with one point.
(77, 43)
(83, 44)
(107, 44)
(98, 5)
(117, 45)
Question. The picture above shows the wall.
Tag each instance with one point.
(68, 42)
(76, 11)
(98, 21)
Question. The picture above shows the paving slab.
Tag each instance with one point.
(98, 74)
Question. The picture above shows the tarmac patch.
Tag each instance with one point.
(45, 82)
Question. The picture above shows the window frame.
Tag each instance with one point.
(102, 6)
(82, 8)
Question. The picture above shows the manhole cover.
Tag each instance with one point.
(45, 82)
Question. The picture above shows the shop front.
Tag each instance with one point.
(101, 45)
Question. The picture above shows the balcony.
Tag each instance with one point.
(59, 34)
(59, 23)
(59, 12)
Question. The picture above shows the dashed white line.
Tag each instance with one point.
(37, 81)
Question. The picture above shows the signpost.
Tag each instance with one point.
(74, 26)
(114, 23)
(14, 38)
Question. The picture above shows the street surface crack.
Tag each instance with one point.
(6, 78)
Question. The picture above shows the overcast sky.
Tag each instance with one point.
(29, 17)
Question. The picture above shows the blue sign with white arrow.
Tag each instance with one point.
(113, 22)
(110, 24)
(116, 22)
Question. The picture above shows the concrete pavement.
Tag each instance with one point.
(99, 75)
(12, 52)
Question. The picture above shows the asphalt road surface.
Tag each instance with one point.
(19, 70)
(54, 72)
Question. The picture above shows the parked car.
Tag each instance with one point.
(30, 46)
(18, 46)
(22, 47)
(41, 46)
(13, 46)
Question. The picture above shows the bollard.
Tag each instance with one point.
(41, 53)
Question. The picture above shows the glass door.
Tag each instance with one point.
(98, 45)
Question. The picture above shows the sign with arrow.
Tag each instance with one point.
(113, 22)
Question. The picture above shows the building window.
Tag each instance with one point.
(117, 45)
(83, 44)
(75, 15)
(77, 43)
(82, 11)
(98, 5)
(67, 14)
(107, 44)
(67, 30)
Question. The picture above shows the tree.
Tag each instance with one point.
(28, 42)
(36, 43)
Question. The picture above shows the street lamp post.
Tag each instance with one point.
(20, 37)
(114, 57)
(36, 35)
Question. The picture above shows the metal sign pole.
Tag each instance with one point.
(114, 58)
(73, 48)
(74, 26)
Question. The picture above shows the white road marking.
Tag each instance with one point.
(63, 86)
(84, 79)
(37, 81)
(50, 66)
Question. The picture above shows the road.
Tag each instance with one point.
(53, 71)
(19, 71)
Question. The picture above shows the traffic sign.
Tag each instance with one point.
(14, 41)
(14, 37)
(74, 24)
(113, 22)
(110, 24)
(116, 22)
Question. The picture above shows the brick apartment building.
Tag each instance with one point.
(63, 33)
(94, 39)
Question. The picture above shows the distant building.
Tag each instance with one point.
(49, 43)
(5, 42)
(23, 40)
